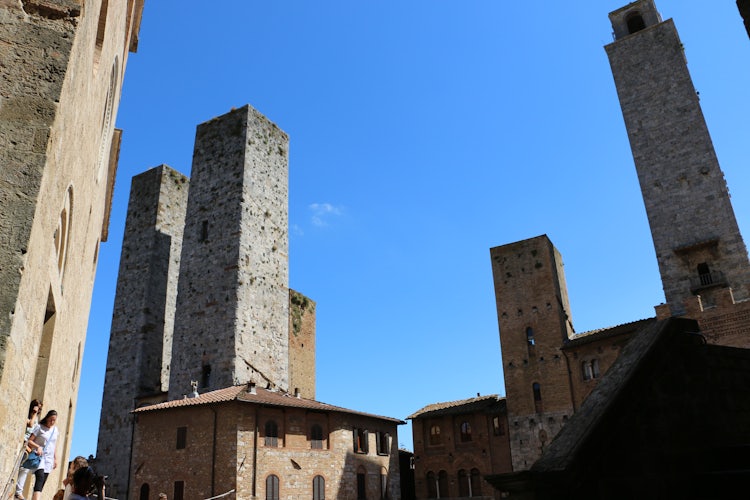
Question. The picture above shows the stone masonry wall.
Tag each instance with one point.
(61, 73)
(143, 318)
(301, 345)
(531, 293)
(683, 187)
(232, 320)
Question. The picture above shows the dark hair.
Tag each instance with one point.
(51, 413)
(34, 402)
(83, 480)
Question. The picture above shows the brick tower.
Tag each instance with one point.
(698, 244)
(142, 321)
(534, 319)
(232, 314)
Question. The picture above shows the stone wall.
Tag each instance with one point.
(232, 322)
(61, 73)
(684, 191)
(141, 336)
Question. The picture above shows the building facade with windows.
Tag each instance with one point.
(456, 444)
(62, 69)
(259, 443)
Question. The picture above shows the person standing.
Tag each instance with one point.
(42, 441)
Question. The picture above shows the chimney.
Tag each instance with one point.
(296, 392)
(251, 388)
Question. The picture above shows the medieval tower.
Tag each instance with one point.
(143, 317)
(534, 321)
(233, 299)
(698, 244)
(203, 300)
(62, 71)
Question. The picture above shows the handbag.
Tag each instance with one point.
(32, 463)
(34, 460)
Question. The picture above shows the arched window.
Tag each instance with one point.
(463, 484)
(431, 485)
(272, 487)
(465, 431)
(537, 396)
(435, 435)
(62, 234)
(144, 492)
(272, 434)
(476, 483)
(316, 437)
(530, 336)
(635, 22)
(443, 484)
(319, 488)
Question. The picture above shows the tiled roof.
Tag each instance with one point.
(261, 396)
(458, 407)
(612, 331)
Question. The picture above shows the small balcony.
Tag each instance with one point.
(707, 280)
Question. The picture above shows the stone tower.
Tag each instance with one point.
(698, 244)
(232, 315)
(140, 340)
(534, 319)
(60, 79)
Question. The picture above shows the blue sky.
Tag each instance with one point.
(422, 133)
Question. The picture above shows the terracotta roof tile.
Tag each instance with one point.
(261, 396)
(612, 331)
(460, 406)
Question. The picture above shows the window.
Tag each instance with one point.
(272, 487)
(360, 440)
(316, 437)
(476, 483)
(181, 438)
(272, 434)
(635, 22)
(319, 488)
(431, 485)
(590, 369)
(443, 484)
(463, 484)
(204, 231)
(465, 432)
(537, 397)
(530, 336)
(62, 234)
(498, 426)
(361, 484)
(704, 274)
(144, 492)
(383, 442)
(206, 376)
(435, 435)
(179, 490)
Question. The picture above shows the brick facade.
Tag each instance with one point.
(229, 430)
(456, 444)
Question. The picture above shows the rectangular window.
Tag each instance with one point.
(181, 438)
(179, 490)
(382, 439)
(360, 440)
(497, 426)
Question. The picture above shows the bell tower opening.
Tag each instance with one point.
(635, 22)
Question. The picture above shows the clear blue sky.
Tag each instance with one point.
(423, 133)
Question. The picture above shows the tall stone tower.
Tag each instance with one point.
(534, 319)
(698, 244)
(140, 340)
(60, 79)
(232, 315)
